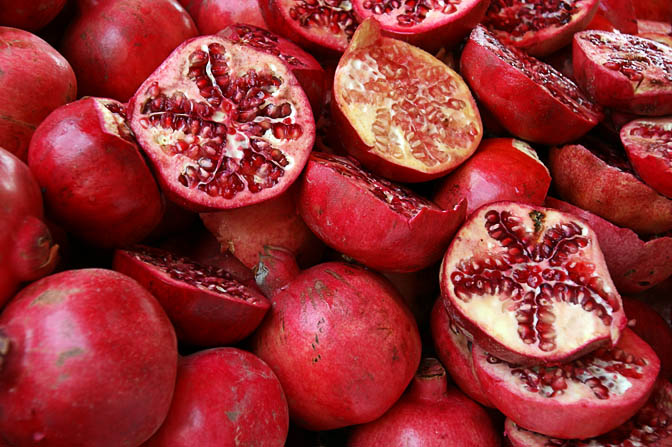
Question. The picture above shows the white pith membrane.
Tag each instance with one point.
(205, 171)
(653, 134)
(408, 106)
(113, 122)
(514, 281)
(413, 15)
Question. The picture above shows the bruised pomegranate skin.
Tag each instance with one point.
(114, 45)
(29, 65)
(431, 412)
(529, 98)
(238, 399)
(206, 304)
(382, 225)
(90, 358)
(31, 15)
(530, 285)
(95, 181)
(224, 125)
(342, 343)
(653, 329)
(212, 16)
(27, 251)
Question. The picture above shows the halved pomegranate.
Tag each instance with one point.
(529, 98)
(581, 399)
(539, 27)
(625, 72)
(225, 125)
(530, 285)
(428, 24)
(207, 306)
(400, 111)
(382, 225)
(648, 143)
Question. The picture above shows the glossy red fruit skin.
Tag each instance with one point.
(114, 45)
(653, 10)
(323, 339)
(566, 415)
(524, 107)
(621, 13)
(88, 336)
(360, 221)
(429, 413)
(212, 16)
(612, 192)
(201, 317)
(453, 348)
(95, 181)
(634, 264)
(27, 251)
(650, 155)
(31, 15)
(30, 65)
(501, 169)
(238, 399)
(653, 329)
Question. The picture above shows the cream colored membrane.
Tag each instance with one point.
(529, 151)
(362, 68)
(111, 121)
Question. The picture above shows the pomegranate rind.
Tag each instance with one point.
(620, 13)
(347, 215)
(651, 327)
(171, 78)
(648, 143)
(647, 91)
(502, 79)
(383, 90)
(485, 257)
(585, 180)
(575, 412)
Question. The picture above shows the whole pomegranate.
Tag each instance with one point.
(29, 15)
(212, 16)
(89, 358)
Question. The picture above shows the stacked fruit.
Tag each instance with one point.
(233, 235)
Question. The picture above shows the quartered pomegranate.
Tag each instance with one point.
(648, 143)
(225, 125)
(650, 427)
(400, 111)
(581, 399)
(529, 98)
(540, 27)
(625, 72)
(530, 285)
(382, 225)
(206, 304)
(428, 24)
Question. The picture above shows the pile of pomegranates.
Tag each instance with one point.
(327, 223)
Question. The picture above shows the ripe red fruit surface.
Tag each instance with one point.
(31, 15)
(212, 16)
(653, 329)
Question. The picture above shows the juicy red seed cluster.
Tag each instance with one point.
(660, 140)
(414, 11)
(335, 15)
(206, 277)
(261, 39)
(517, 17)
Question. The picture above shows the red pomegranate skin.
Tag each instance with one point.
(114, 45)
(342, 343)
(92, 361)
(224, 397)
(35, 80)
(430, 413)
(212, 16)
(653, 329)
(29, 15)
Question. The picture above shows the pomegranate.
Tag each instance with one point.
(225, 125)
(653, 27)
(621, 13)
(634, 264)
(212, 16)
(625, 72)
(430, 413)
(400, 111)
(113, 45)
(653, 10)
(342, 343)
(371, 220)
(27, 251)
(238, 400)
(581, 399)
(28, 61)
(650, 427)
(277, 268)
(31, 15)
(428, 24)
(648, 143)
(653, 329)
(501, 169)
(530, 285)
(600, 179)
(239, 231)
(529, 98)
(454, 350)
(539, 27)
(206, 304)
(89, 358)
(109, 207)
